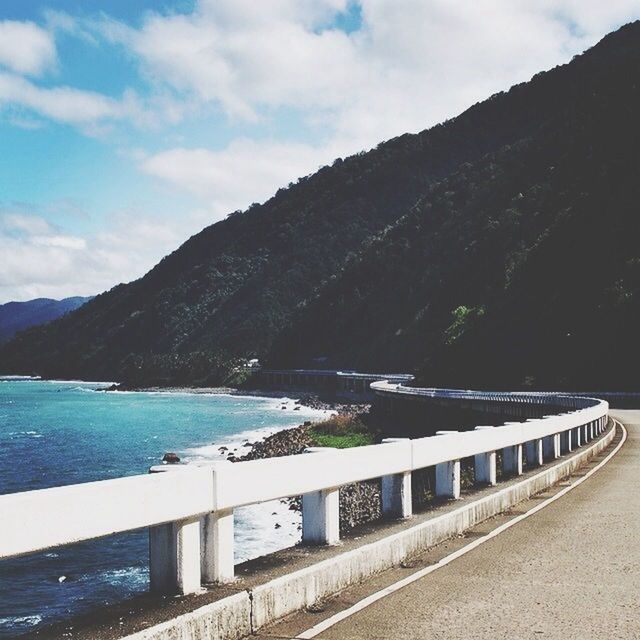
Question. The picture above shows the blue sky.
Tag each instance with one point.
(127, 126)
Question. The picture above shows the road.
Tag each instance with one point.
(571, 570)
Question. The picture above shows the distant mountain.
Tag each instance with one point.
(499, 248)
(16, 316)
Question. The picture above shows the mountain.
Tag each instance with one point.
(520, 269)
(16, 316)
(496, 248)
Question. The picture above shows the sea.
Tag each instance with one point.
(55, 433)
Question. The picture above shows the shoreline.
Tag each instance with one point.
(307, 399)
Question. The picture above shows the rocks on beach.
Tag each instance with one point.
(359, 502)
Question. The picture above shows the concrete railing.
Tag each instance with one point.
(189, 508)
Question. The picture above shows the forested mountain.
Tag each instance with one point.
(519, 269)
(16, 316)
(499, 248)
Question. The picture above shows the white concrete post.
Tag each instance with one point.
(551, 447)
(512, 460)
(534, 452)
(448, 479)
(592, 430)
(566, 441)
(448, 475)
(162, 559)
(216, 539)
(395, 491)
(174, 557)
(216, 533)
(485, 465)
(174, 551)
(577, 436)
(321, 513)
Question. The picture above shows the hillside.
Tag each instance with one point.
(16, 316)
(520, 269)
(465, 251)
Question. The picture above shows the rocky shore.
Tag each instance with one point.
(359, 502)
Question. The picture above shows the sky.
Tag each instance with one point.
(126, 126)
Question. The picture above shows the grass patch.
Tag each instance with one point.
(341, 432)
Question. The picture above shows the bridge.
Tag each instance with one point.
(436, 566)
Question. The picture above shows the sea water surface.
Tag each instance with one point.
(58, 433)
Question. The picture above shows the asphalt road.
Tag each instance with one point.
(571, 570)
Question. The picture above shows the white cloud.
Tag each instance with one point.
(246, 171)
(69, 105)
(410, 65)
(42, 260)
(25, 47)
(244, 54)
(20, 222)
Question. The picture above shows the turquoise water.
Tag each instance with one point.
(58, 433)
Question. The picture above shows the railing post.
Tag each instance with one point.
(551, 446)
(485, 465)
(512, 460)
(577, 436)
(448, 475)
(534, 453)
(321, 512)
(216, 540)
(174, 551)
(566, 441)
(217, 564)
(174, 557)
(395, 490)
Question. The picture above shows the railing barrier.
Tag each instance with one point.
(188, 509)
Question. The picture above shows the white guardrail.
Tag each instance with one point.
(189, 509)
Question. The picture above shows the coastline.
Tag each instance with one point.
(307, 399)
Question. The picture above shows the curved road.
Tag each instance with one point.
(570, 571)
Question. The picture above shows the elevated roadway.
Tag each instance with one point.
(568, 570)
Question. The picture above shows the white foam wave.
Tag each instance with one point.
(30, 434)
(132, 576)
(20, 621)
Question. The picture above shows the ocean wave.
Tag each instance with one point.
(20, 621)
(30, 434)
(132, 577)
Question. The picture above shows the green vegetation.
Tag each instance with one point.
(462, 317)
(341, 432)
(520, 216)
